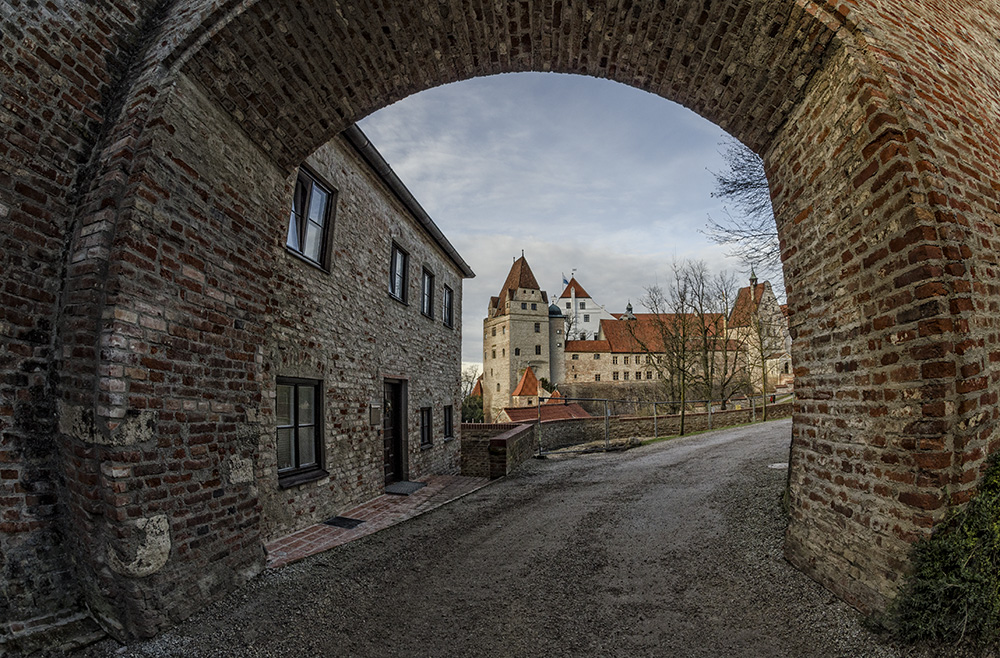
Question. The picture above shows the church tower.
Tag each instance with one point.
(515, 336)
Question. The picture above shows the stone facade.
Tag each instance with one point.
(147, 157)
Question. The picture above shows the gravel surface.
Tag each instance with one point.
(672, 549)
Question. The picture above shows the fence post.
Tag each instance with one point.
(607, 427)
(710, 413)
(656, 428)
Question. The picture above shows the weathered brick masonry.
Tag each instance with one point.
(146, 165)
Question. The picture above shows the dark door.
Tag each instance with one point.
(393, 428)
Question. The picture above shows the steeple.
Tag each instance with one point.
(753, 279)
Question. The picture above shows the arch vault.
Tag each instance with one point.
(148, 156)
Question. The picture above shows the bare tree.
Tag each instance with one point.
(470, 375)
(749, 229)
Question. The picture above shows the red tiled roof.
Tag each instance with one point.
(520, 276)
(528, 385)
(588, 346)
(477, 390)
(555, 398)
(646, 331)
(574, 286)
(743, 309)
(548, 412)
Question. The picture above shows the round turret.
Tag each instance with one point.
(555, 311)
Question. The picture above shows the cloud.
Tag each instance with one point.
(578, 172)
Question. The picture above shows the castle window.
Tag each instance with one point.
(538, 349)
(614, 375)
(625, 375)
(448, 307)
(597, 377)
(426, 426)
(494, 354)
(597, 357)
(649, 374)
(614, 360)
(524, 306)
(494, 331)
(638, 375)
(534, 307)
(583, 305)
(398, 265)
(538, 327)
(427, 294)
(569, 305)
(576, 357)
(298, 417)
(626, 360)
(498, 387)
(586, 317)
(309, 221)
(517, 351)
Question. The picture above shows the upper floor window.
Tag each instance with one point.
(398, 266)
(517, 351)
(569, 305)
(583, 305)
(534, 307)
(538, 327)
(427, 294)
(538, 349)
(524, 306)
(586, 317)
(597, 377)
(575, 357)
(309, 222)
(448, 306)
(614, 360)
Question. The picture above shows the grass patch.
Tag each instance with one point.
(953, 593)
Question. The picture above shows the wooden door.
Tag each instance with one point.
(393, 429)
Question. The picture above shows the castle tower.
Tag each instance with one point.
(557, 345)
(515, 336)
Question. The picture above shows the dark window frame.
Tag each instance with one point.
(298, 473)
(398, 285)
(448, 417)
(308, 176)
(427, 293)
(448, 306)
(426, 427)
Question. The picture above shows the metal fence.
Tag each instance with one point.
(609, 424)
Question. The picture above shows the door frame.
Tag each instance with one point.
(402, 423)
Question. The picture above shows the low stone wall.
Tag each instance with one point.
(493, 450)
(555, 434)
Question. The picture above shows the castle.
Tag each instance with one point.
(577, 344)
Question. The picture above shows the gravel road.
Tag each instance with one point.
(672, 549)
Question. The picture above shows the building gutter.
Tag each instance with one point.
(367, 150)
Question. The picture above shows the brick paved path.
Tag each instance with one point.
(377, 514)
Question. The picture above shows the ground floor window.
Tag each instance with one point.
(449, 422)
(426, 423)
(299, 428)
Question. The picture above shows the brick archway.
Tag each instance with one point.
(877, 126)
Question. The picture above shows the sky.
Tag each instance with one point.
(586, 176)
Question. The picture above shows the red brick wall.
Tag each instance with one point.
(138, 252)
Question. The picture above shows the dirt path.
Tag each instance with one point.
(672, 549)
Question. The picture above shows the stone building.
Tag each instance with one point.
(365, 388)
(517, 335)
(583, 314)
(625, 350)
